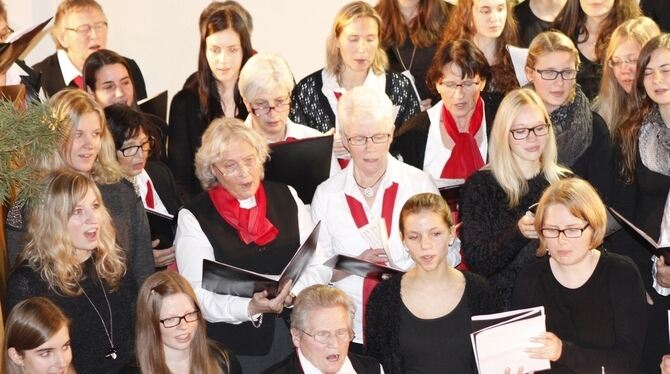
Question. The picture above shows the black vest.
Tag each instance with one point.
(244, 339)
(291, 365)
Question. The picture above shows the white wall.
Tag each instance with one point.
(162, 35)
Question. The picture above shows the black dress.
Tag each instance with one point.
(589, 75)
(90, 344)
(529, 24)
(602, 323)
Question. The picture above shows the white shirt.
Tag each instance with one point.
(67, 68)
(339, 234)
(141, 179)
(436, 154)
(192, 246)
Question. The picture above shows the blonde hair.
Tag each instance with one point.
(65, 7)
(221, 135)
(425, 202)
(548, 42)
(68, 106)
(348, 14)
(150, 298)
(264, 72)
(503, 165)
(31, 323)
(50, 251)
(613, 102)
(582, 201)
(364, 103)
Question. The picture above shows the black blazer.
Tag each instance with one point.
(291, 365)
(163, 181)
(52, 76)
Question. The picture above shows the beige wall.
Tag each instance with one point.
(162, 35)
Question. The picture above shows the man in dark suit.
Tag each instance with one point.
(80, 28)
(321, 330)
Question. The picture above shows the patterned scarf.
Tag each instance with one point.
(573, 126)
(654, 143)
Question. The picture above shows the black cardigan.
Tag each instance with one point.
(382, 318)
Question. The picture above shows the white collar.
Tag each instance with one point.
(331, 85)
(67, 68)
(309, 368)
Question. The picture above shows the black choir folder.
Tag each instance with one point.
(18, 43)
(163, 227)
(156, 105)
(499, 340)
(657, 248)
(302, 164)
(361, 268)
(230, 280)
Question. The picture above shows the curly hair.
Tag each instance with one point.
(50, 251)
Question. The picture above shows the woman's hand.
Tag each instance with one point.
(377, 256)
(518, 371)
(551, 348)
(662, 272)
(527, 226)
(665, 365)
(424, 104)
(260, 303)
(162, 257)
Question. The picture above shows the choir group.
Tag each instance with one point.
(415, 94)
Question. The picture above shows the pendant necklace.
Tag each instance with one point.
(111, 354)
(368, 191)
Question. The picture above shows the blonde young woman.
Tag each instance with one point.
(72, 258)
(582, 137)
(37, 339)
(169, 320)
(497, 233)
(86, 147)
(621, 56)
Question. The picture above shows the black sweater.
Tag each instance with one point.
(89, 341)
(601, 323)
(492, 243)
(382, 319)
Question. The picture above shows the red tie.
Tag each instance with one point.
(150, 195)
(79, 81)
(361, 219)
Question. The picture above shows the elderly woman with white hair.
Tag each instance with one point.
(322, 329)
(245, 222)
(354, 204)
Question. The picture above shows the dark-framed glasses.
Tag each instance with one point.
(280, 106)
(550, 75)
(86, 29)
(570, 232)
(362, 140)
(133, 149)
(324, 337)
(523, 132)
(465, 85)
(616, 63)
(171, 322)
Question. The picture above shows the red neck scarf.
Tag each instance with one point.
(465, 157)
(251, 224)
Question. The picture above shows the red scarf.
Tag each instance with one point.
(465, 157)
(251, 224)
(361, 219)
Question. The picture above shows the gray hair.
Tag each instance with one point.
(221, 135)
(318, 297)
(264, 72)
(364, 103)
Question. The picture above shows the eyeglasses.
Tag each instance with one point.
(617, 64)
(523, 133)
(570, 232)
(133, 149)
(323, 337)
(451, 87)
(84, 30)
(550, 75)
(236, 169)
(5, 33)
(362, 140)
(280, 106)
(171, 322)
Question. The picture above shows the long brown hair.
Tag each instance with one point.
(462, 26)
(208, 93)
(626, 134)
(423, 30)
(572, 22)
(205, 356)
(31, 323)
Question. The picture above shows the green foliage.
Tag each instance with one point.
(26, 135)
